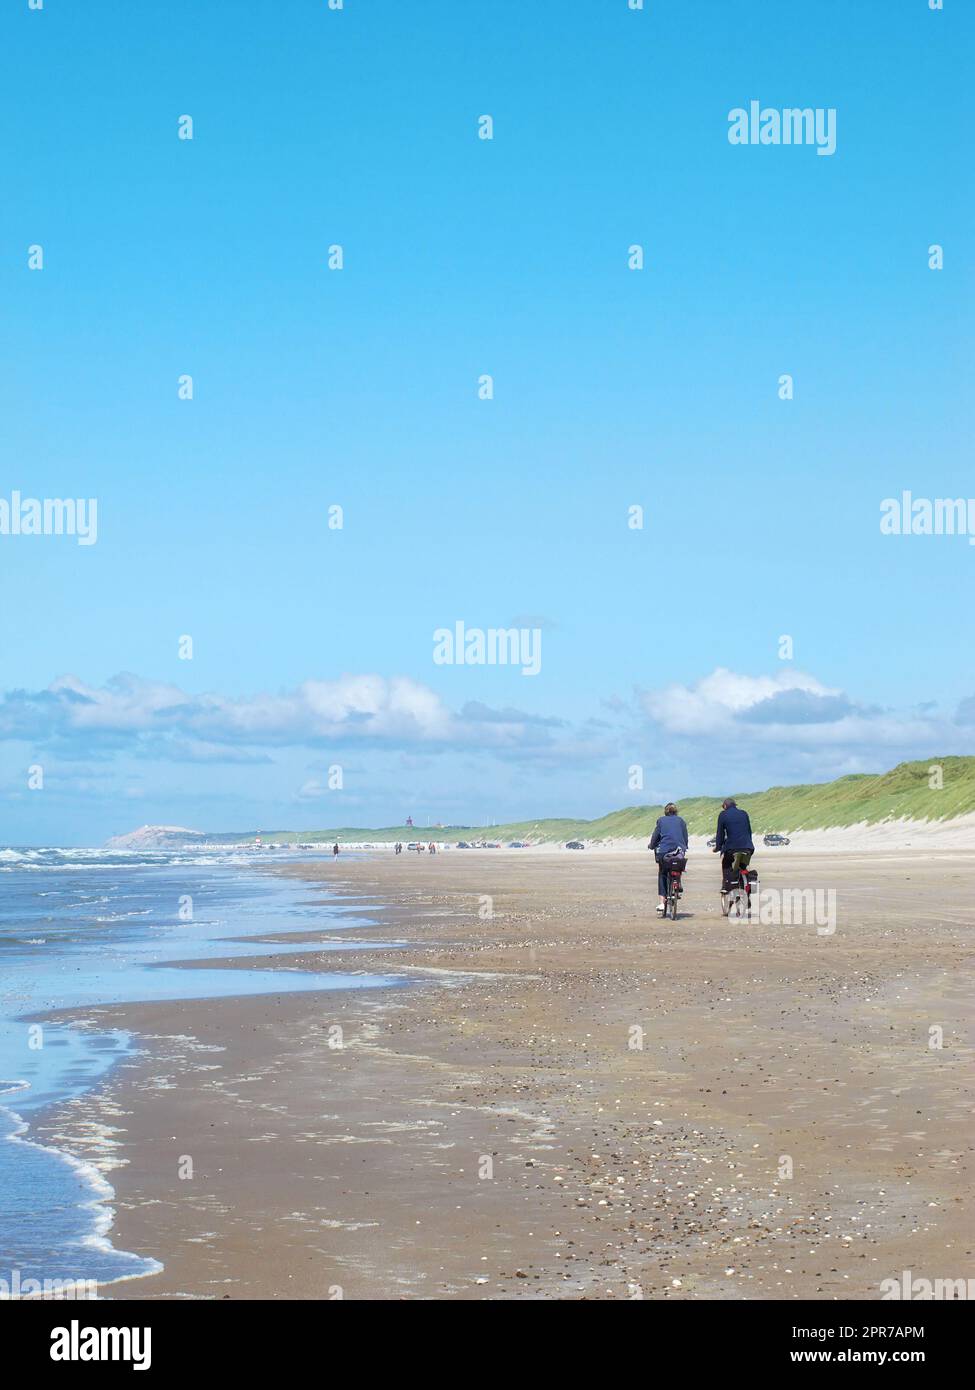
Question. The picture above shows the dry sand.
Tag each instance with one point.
(571, 1100)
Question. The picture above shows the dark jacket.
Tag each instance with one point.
(669, 833)
(734, 831)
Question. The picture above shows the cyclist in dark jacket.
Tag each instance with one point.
(733, 837)
(670, 833)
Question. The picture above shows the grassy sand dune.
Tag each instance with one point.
(904, 793)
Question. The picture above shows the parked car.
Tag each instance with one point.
(462, 844)
(574, 844)
(773, 839)
(713, 842)
(517, 844)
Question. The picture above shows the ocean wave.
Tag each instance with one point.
(75, 860)
(95, 1208)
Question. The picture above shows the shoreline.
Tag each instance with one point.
(98, 1201)
(364, 1168)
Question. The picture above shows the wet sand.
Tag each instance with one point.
(571, 1099)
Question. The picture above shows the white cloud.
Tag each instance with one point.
(716, 701)
(365, 709)
(779, 717)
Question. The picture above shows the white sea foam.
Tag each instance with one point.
(102, 1194)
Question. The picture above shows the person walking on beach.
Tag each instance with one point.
(733, 841)
(669, 835)
(335, 850)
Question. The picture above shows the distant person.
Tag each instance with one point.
(335, 850)
(669, 835)
(432, 847)
(733, 841)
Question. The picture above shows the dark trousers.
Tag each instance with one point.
(663, 878)
(729, 870)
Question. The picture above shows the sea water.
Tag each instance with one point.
(80, 928)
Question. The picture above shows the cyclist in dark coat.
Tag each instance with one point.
(733, 838)
(669, 834)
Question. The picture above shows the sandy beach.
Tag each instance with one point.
(570, 1099)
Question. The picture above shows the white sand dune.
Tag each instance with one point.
(892, 835)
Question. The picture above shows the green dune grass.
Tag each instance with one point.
(904, 792)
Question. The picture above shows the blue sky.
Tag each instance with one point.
(313, 647)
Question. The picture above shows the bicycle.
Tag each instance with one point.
(744, 887)
(675, 867)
